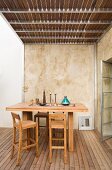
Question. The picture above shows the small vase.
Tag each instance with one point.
(65, 101)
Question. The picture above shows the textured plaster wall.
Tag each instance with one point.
(104, 52)
(67, 70)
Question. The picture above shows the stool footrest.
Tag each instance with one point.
(57, 138)
(57, 147)
(41, 126)
(29, 146)
(32, 140)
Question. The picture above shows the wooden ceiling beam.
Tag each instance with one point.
(58, 11)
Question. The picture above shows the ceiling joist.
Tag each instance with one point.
(58, 11)
(57, 38)
(62, 43)
(59, 31)
(59, 22)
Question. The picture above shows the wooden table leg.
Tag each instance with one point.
(26, 115)
(70, 132)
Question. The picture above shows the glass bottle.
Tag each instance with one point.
(44, 97)
(65, 101)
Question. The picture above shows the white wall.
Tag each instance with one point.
(11, 70)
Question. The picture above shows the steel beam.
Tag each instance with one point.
(60, 22)
(58, 43)
(59, 38)
(58, 11)
(59, 31)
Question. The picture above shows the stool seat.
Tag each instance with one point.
(26, 124)
(41, 114)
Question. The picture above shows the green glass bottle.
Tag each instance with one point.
(65, 101)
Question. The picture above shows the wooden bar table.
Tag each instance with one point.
(27, 114)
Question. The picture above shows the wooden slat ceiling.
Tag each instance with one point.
(58, 21)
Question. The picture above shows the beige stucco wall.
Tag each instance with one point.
(104, 52)
(61, 69)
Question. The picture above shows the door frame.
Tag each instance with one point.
(102, 101)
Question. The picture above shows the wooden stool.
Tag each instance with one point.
(20, 125)
(42, 115)
(57, 121)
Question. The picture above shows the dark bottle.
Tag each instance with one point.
(44, 97)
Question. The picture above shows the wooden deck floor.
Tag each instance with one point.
(89, 153)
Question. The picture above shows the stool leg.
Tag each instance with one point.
(14, 140)
(34, 128)
(50, 145)
(47, 126)
(34, 118)
(28, 137)
(36, 136)
(38, 126)
(20, 147)
(65, 143)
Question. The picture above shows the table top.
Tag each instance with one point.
(77, 107)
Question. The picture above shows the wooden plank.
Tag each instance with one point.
(70, 131)
(85, 150)
(44, 158)
(46, 155)
(103, 154)
(5, 147)
(76, 160)
(23, 158)
(42, 151)
(79, 155)
(10, 163)
(89, 153)
(78, 107)
(85, 160)
(95, 151)
(58, 159)
(4, 136)
(92, 159)
(61, 161)
(72, 163)
(41, 146)
(52, 167)
(105, 145)
(109, 142)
